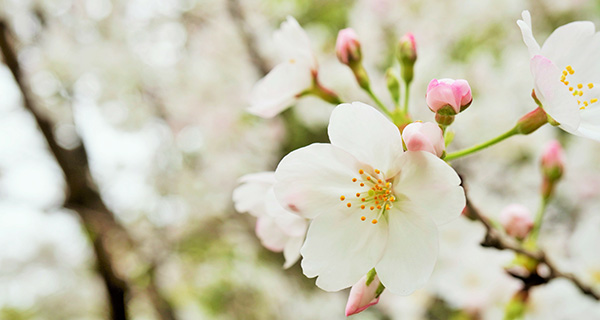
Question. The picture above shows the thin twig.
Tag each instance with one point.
(495, 239)
(84, 199)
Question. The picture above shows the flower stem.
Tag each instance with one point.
(473, 149)
(324, 93)
(538, 219)
(406, 86)
(380, 104)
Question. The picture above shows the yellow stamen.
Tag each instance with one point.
(570, 69)
(580, 93)
(570, 88)
(566, 83)
(342, 198)
(363, 218)
(374, 221)
(581, 108)
(377, 171)
(579, 86)
(590, 85)
(361, 171)
(564, 72)
(585, 103)
(593, 100)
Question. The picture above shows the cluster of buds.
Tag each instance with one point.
(447, 98)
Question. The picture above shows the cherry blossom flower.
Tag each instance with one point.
(427, 136)
(566, 73)
(278, 229)
(372, 203)
(289, 79)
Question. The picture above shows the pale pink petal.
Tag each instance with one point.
(291, 224)
(271, 237)
(250, 195)
(411, 252)
(340, 248)
(556, 99)
(294, 43)
(526, 31)
(279, 89)
(312, 179)
(291, 252)
(430, 185)
(366, 134)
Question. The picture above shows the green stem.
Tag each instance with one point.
(473, 149)
(537, 224)
(406, 86)
(380, 104)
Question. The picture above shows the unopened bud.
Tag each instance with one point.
(553, 160)
(516, 220)
(448, 97)
(531, 121)
(407, 54)
(424, 136)
(347, 47)
(363, 294)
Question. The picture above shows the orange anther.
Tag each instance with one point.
(378, 207)
(374, 221)
(363, 218)
(353, 179)
(379, 181)
(570, 88)
(368, 178)
(362, 184)
(377, 171)
(580, 93)
(363, 199)
(362, 207)
(579, 86)
(342, 198)
(566, 83)
(348, 204)
(357, 194)
(372, 208)
(361, 171)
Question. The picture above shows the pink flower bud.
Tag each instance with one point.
(347, 46)
(552, 160)
(407, 54)
(447, 96)
(516, 220)
(424, 136)
(362, 296)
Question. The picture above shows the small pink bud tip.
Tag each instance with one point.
(552, 156)
(408, 46)
(362, 296)
(347, 46)
(424, 136)
(448, 96)
(516, 220)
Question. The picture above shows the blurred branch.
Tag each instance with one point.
(237, 14)
(105, 232)
(495, 239)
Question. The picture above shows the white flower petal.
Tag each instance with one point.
(250, 195)
(556, 99)
(291, 224)
(312, 179)
(590, 123)
(411, 252)
(367, 134)
(429, 186)
(271, 237)
(340, 248)
(291, 252)
(526, 31)
(565, 44)
(279, 89)
(294, 43)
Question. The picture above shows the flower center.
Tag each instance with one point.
(577, 90)
(375, 194)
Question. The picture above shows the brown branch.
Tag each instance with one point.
(105, 232)
(235, 10)
(495, 239)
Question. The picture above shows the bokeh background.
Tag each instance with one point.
(156, 91)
